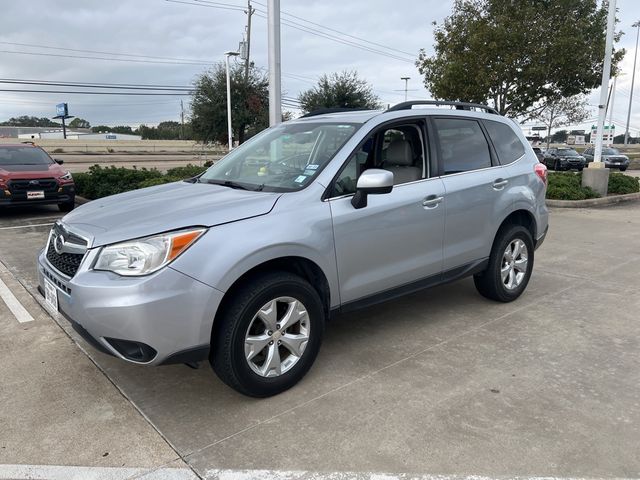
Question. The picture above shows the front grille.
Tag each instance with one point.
(45, 184)
(66, 262)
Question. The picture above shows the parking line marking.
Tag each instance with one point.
(303, 475)
(14, 304)
(27, 226)
(55, 472)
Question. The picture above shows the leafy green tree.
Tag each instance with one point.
(516, 53)
(561, 112)
(339, 90)
(249, 104)
(29, 121)
(558, 137)
(79, 123)
(169, 130)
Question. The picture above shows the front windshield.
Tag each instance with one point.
(567, 152)
(23, 156)
(281, 159)
(610, 151)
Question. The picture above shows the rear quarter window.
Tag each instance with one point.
(505, 141)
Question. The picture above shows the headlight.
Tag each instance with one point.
(66, 177)
(146, 255)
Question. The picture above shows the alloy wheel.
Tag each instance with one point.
(514, 264)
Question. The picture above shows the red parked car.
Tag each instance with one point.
(29, 176)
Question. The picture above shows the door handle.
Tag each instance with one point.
(500, 183)
(432, 201)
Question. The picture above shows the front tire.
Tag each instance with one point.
(268, 335)
(623, 169)
(67, 206)
(510, 265)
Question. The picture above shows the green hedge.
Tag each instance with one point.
(568, 186)
(100, 181)
(621, 184)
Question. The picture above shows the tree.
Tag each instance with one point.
(554, 113)
(168, 130)
(79, 123)
(339, 90)
(29, 121)
(516, 53)
(249, 104)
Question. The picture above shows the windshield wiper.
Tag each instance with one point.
(227, 183)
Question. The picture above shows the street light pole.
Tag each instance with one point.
(406, 86)
(275, 65)
(606, 74)
(633, 79)
(229, 132)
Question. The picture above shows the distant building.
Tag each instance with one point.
(49, 134)
(103, 136)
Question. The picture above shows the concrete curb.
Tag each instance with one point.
(593, 202)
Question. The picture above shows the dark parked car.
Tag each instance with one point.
(539, 153)
(29, 176)
(563, 159)
(611, 157)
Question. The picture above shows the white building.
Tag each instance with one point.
(76, 135)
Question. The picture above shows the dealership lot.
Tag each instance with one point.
(442, 382)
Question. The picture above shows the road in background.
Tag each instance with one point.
(81, 163)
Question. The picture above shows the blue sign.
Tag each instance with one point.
(111, 137)
(62, 110)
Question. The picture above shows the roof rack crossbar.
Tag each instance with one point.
(459, 105)
(324, 111)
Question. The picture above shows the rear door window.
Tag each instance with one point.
(505, 141)
(463, 146)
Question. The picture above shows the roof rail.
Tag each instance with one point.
(324, 111)
(437, 103)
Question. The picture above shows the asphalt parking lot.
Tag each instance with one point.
(443, 382)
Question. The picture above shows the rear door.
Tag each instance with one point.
(475, 185)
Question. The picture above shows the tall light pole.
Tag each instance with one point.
(406, 86)
(633, 79)
(229, 132)
(275, 64)
(606, 74)
(611, 102)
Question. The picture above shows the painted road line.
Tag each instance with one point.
(302, 475)
(53, 472)
(14, 304)
(27, 226)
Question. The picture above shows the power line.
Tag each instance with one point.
(77, 50)
(90, 93)
(88, 85)
(338, 31)
(94, 83)
(102, 58)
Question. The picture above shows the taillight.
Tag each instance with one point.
(541, 171)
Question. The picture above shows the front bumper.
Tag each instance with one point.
(63, 194)
(167, 314)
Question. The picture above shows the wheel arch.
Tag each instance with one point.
(298, 265)
(520, 217)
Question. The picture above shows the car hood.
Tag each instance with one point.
(163, 208)
(31, 171)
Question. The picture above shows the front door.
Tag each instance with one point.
(397, 239)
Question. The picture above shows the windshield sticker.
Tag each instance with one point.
(300, 179)
(312, 167)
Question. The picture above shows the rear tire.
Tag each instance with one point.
(252, 346)
(492, 283)
(623, 169)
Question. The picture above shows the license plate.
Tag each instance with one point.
(34, 195)
(50, 295)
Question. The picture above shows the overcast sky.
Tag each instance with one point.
(196, 35)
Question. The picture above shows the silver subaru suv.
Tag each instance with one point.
(334, 211)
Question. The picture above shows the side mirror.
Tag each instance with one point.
(58, 161)
(371, 182)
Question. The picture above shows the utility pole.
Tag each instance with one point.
(613, 99)
(275, 64)
(250, 12)
(633, 79)
(596, 175)
(181, 120)
(229, 131)
(406, 86)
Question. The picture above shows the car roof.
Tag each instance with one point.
(363, 116)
